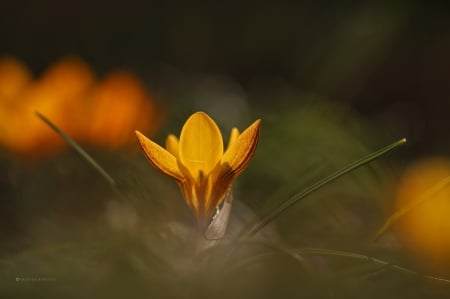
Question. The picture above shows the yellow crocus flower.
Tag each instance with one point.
(198, 162)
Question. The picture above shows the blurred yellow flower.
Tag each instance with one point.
(425, 228)
(198, 163)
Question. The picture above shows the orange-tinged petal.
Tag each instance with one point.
(234, 134)
(201, 144)
(240, 152)
(197, 161)
(173, 145)
(187, 188)
(159, 157)
(236, 158)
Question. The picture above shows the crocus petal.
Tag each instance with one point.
(240, 152)
(204, 172)
(159, 157)
(187, 188)
(201, 144)
(220, 182)
(236, 158)
(173, 146)
(233, 136)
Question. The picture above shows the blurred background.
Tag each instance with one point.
(331, 81)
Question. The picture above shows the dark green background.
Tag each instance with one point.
(332, 81)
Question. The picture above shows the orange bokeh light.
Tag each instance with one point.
(425, 228)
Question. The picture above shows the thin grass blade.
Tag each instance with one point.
(362, 257)
(316, 186)
(78, 149)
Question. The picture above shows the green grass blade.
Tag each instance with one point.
(298, 256)
(425, 196)
(362, 257)
(273, 250)
(337, 174)
(78, 149)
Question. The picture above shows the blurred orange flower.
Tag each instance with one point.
(14, 80)
(117, 106)
(14, 77)
(103, 114)
(425, 228)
